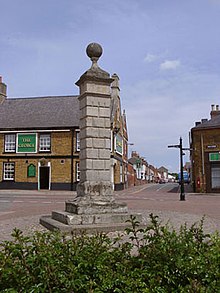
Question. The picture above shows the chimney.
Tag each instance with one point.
(3, 91)
(214, 111)
(134, 154)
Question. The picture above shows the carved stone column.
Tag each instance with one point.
(94, 206)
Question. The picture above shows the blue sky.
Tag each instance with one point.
(166, 54)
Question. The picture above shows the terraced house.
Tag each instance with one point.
(40, 144)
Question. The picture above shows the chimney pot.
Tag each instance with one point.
(213, 107)
(3, 91)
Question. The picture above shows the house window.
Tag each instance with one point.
(45, 143)
(9, 171)
(77, 172)
(121, 173)
(10, 143)
(77, 141)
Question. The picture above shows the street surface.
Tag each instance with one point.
(22, 209)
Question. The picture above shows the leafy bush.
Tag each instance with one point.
(154, 259)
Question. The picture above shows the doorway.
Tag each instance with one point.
(44, 177)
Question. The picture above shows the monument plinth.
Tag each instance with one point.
(94, 203)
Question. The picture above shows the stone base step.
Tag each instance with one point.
(90, 219)
(52, 224)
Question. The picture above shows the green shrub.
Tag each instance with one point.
(155, 259)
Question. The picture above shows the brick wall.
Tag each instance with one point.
(204, 142)
(59, 160)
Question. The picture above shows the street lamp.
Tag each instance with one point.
(180, 146)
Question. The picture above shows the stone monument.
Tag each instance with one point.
(94, 204)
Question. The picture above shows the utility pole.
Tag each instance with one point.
(180, 146)
(182, 191)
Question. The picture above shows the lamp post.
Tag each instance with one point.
(180, 146)
(129, 144)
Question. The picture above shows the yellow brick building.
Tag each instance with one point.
(205, 153)
(39, 143)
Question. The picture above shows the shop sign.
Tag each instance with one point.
(31, 170)
(119, 144)
(211, 146)
(214, 157)
(26, 143)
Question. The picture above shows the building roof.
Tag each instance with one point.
(39, 113)
(162, 169)
(212, 123)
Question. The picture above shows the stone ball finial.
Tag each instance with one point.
(94, 51)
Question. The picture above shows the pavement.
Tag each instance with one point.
(168, 208)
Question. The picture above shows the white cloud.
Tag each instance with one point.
(169, 64)
(150, 58)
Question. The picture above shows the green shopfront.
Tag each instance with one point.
(212, 171)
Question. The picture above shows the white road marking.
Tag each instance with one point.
(5, 213)
(161, 187)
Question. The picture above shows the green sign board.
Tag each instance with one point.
(31, 171)
(214, 157)
(119, 144)
(26, 143)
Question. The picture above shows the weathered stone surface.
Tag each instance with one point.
(94, 204)
(95, 188)
(89, 101)
(92, 219)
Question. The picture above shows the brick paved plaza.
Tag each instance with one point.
(22, 209)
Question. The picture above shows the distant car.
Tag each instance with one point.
(162, 181)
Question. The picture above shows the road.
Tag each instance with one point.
(22, 209)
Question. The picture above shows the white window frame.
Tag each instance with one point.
(44, 142)
(10, 143)
(77, 172)
(9, 174)
(77, 140)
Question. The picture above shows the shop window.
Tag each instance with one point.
(9, 171)
(77, 172)
(215, 173)
(10, 143)
(77, 141)
(45, 143)
(31, 170)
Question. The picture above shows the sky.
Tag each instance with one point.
(166, 54)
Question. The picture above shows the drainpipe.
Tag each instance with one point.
(71, 167)
(203, 163)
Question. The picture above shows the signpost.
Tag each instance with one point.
(180, 146)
